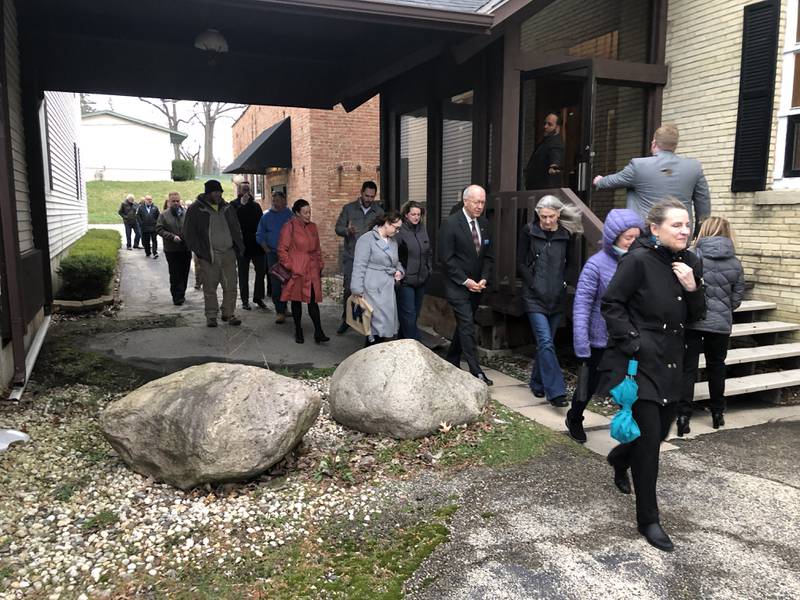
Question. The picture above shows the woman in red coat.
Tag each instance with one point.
(299, 252)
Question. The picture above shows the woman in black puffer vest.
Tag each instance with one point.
(724, 279)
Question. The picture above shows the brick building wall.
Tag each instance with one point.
(333, 153)
(701, 97)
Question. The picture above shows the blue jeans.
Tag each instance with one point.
(546, 375)
(409, 303)
(277, 288)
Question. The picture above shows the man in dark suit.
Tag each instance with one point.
(467, 253)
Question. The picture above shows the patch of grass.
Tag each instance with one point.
(488, 515)
(64, 359)
(103, 519)
(447, 512)
(515, 440)
(67, 489)
(335, 465)
(104, 197)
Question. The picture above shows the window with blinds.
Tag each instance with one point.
(413, 157)
(457, 117)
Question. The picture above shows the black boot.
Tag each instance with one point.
(717, 420)
(621, 479)
(656, 537)
(298, 334)
(683, 425)
(319, 335)
(297, 314)
(574, 422)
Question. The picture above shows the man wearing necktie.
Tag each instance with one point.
(467, 253)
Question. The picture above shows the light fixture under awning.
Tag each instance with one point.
(272, 148)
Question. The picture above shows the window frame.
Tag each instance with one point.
(788, 117)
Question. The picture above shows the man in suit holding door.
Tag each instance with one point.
(467, 252)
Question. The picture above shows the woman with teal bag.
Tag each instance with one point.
(656, 290)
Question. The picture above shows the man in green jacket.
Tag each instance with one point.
(211, 230)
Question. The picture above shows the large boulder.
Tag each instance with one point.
(404, 390)
(210, 423)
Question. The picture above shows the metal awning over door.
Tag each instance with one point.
(272, 148)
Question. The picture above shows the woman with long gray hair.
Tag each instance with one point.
(543, 252)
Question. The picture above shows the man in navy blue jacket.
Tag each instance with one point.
(267, 235)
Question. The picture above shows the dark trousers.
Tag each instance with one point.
(348, 275)
(313, 312)
(150, 240)
(642, 455)
(409, 303)
(277, 286)
(243, 264)
(715, 348)
(178, 263)
(579, 403)
(136, 232)
(463, 340)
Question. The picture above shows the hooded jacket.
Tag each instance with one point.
(588, 326)
(196, 227)
(724, 279)
(646, 310)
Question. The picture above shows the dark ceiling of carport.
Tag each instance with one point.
(276, 56)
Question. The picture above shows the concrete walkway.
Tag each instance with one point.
(144, 290)
(740, 413)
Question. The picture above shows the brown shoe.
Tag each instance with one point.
(280, 318)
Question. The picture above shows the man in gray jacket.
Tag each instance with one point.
(664, 174)
(211, 230)
(355, 219)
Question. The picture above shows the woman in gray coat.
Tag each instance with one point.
(724, 289)
(376, 269)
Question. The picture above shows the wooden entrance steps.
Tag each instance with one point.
(766, 366)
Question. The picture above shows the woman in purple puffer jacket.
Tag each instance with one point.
(589, 333)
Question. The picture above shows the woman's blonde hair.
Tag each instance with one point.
(716, 226)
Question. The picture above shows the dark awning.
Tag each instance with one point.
(272, 148)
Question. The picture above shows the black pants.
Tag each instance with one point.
(715, 348)
(243, 264)
(313, 312)
(463, 341)
(642, 455)
(134, 227)
(579, 404)
(178, 263)
(150, 240)
(348, 275)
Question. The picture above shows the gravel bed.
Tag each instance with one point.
(75, 522)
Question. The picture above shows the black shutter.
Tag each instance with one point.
(756, 96)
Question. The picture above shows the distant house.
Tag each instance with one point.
(121, 148)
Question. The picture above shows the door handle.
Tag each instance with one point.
(582, 176)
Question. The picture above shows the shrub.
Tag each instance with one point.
(87, 271)
(182, 170)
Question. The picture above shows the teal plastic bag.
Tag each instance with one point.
(623, 427)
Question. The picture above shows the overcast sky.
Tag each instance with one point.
(133, 107)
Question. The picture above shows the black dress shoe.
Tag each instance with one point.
(656, 537)
(682, 424)
(484, 378)
(246, 306)
(260, 304)
(717, 420)
(321, 337)
(298, 336)
(621, 479)
(559, 401)
(342, 328)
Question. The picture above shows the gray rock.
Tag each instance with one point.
(404, 390)
(210, 423)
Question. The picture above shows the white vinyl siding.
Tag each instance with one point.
(20, 174)
(64, 185)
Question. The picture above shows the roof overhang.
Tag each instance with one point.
(272, 148)
(310, 53)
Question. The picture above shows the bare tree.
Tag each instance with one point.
(87, 104)
(169, 108)
(192, 156)
(207, 114)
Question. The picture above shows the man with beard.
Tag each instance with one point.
(544, 167)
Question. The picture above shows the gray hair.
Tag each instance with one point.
(130, 197)
(469, 189)
(568, 216)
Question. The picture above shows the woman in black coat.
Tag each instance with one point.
(543, 252)
(416, 253)
(656, 291)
